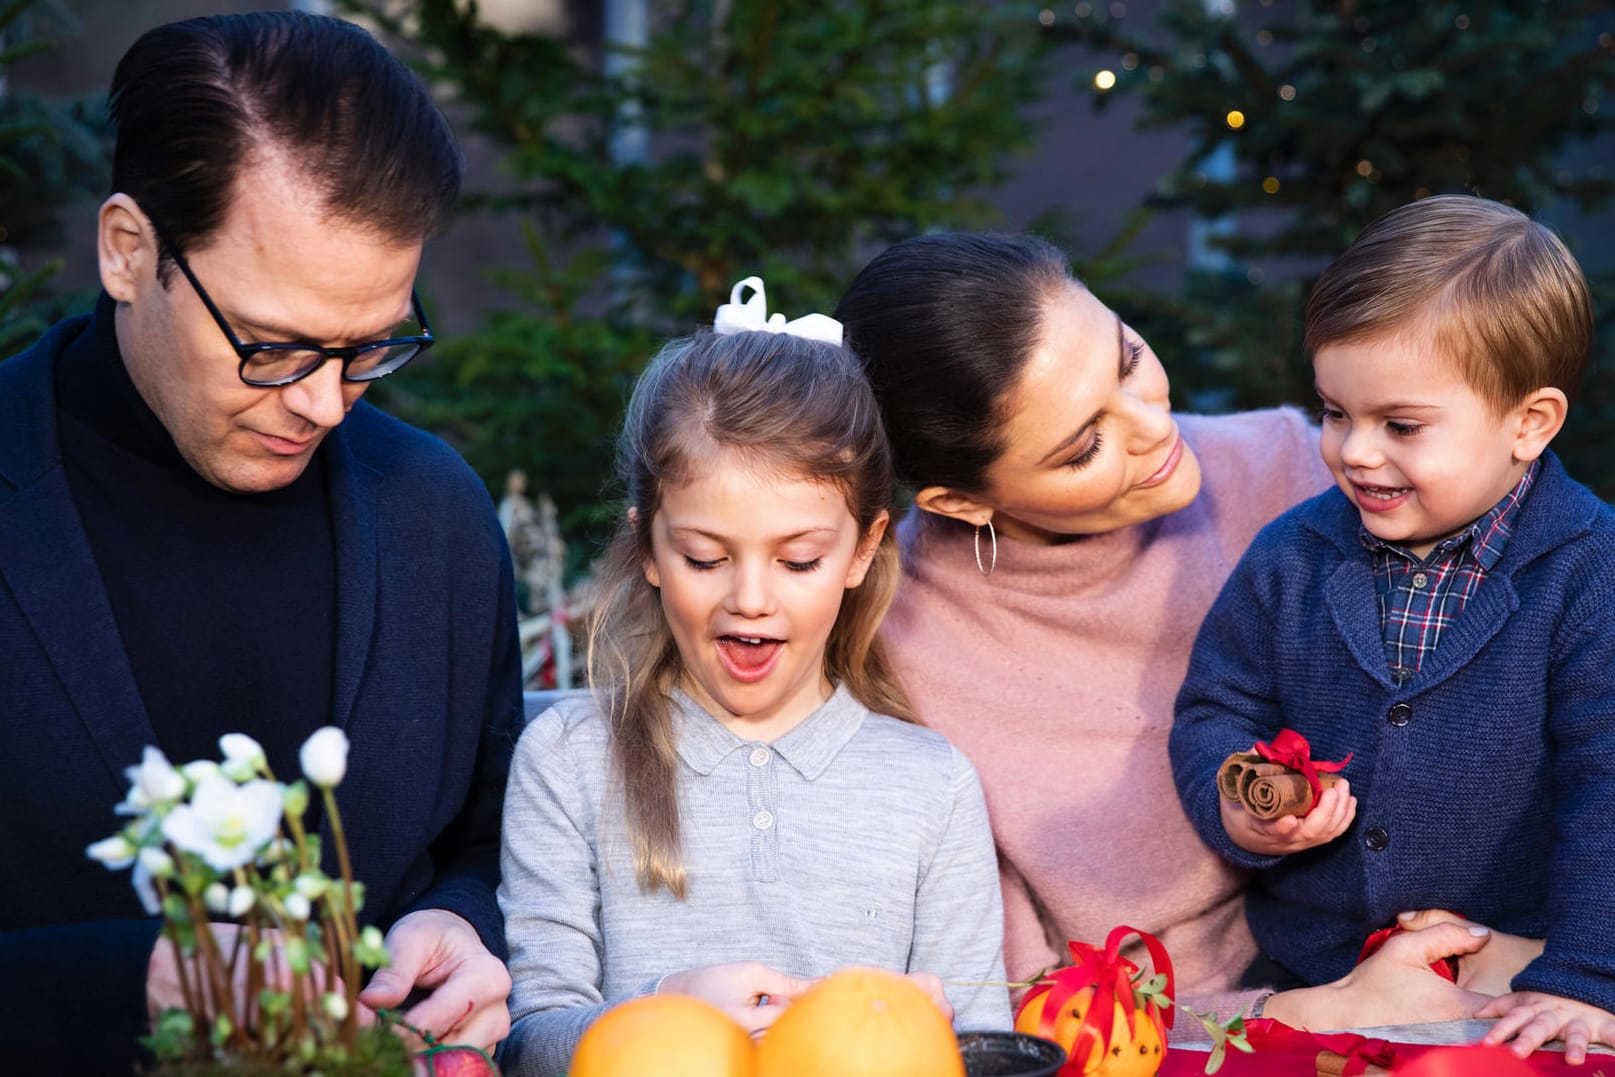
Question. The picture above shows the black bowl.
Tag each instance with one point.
(1009, 1054)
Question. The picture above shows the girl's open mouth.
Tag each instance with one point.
(749, 658)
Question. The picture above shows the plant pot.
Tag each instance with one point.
(1009, 1054)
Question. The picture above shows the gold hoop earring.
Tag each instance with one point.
(987, 570)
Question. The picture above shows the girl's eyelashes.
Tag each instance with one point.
(1325, 413)
(794, 566)
(1404, 430)
(1085, 457)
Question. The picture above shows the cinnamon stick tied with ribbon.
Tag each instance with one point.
(1277, 779)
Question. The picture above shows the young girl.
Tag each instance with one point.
(742, 804)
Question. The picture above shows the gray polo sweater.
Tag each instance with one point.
(854, 839)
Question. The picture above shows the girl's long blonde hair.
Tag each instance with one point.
(788, 405)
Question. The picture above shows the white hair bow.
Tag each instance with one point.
(752, 316)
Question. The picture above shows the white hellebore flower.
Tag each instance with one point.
(154, 782)
(116, 852)
(324, 756)
(225, 824)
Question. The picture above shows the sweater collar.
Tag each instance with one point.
(1560, 510)
(94, 387)
(704, 742)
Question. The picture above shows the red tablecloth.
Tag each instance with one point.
(1407, 1059)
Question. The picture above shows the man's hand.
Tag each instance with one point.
(163, 991)
(1528, 1019)
(439, 951)
(1329, 818)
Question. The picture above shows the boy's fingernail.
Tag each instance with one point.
(1406, 915)
(1478, 931)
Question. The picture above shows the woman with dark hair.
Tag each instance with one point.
(1069, 533)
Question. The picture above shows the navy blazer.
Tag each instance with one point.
(427, 686)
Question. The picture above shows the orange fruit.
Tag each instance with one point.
(668, 1035)
(861, 1023)
(1135, 1051)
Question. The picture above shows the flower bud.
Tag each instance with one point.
(241, 900)
(336, 1007)
(239, 771)
(311, 884)
(116, 852)
(157, 863)
(241, 746)
(217, 898)
(199, 769)
(324, 756)
(295, 797)
(297, 906)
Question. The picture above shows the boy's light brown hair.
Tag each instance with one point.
(1500, 295)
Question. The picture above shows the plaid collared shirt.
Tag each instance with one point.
(1418, 599)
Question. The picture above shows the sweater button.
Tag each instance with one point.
(1401, 714)
(1376, 838)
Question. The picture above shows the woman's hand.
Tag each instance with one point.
(1394, 986)
(749, 991)
(1528, 1019)
(1327, 820)
(1491, 969)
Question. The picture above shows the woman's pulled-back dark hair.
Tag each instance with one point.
(944, 324)
(786, 405)
(192, 100)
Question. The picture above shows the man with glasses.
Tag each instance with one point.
(204, 530)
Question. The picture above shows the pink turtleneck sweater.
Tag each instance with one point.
(1056, 676)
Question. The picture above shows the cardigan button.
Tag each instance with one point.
(1376, 838)
(1399, 715)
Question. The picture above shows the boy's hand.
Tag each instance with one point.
(1530, 1018)
(1335, 810)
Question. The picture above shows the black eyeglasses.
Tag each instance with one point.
(267, 365)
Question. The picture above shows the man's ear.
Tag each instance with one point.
(1539, 417)
(945, 502)
(126, 246)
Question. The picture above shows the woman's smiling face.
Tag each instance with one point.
(1090, 444)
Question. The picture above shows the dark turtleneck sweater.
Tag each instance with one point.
(225, 602)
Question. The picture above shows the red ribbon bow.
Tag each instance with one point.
(1110, 975)
(1291, 749)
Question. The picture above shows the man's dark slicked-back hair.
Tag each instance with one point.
(193, 99)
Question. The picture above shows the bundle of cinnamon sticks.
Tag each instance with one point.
(1267, 790)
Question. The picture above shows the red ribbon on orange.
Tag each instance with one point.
(1290, 749)
(1110, 975)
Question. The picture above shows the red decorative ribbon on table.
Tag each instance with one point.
(1290, 749)
(1110, 975)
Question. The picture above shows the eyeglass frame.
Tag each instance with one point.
(347, 354)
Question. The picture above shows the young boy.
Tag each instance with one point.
(1446, 617)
